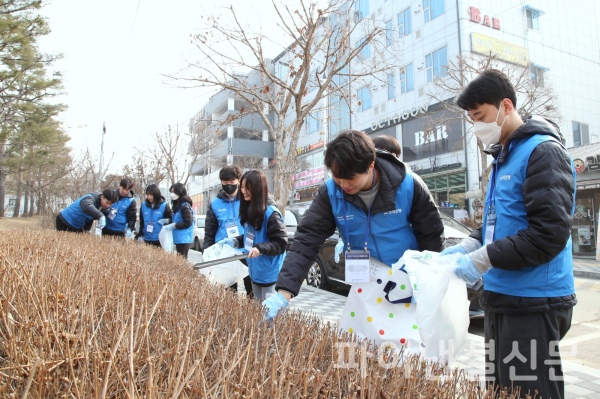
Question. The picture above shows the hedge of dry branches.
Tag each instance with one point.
(89, 318)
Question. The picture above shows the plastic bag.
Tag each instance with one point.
(225, 273)
(381, 310)
(166, 240)
(442, 310)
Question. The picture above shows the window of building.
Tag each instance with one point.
(366, 51)
(364, 99)
(391, 87)
(436, 64)
(388, 33)
(283, 70)
(362, 8)
(537, 74)
(314, 123)
(407, 82)
(533, 17)
(581, 134)
(404, 22)
(433, 9)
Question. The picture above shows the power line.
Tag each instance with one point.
(134, 18)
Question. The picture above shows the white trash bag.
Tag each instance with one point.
(381, 310)
(225, 273)
(442, 310)
(166, 240)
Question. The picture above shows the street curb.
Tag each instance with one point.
(586, 274)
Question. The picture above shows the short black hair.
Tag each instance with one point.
(490, 87)
(110, 195)
(387, 143)
(350, 153)
(126, 183)
(230, 172)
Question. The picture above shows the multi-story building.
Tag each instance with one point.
(558, 41)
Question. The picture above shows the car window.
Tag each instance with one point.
(290, 219)
(200, 223)
(453, 223)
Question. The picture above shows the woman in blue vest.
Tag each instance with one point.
(120, 218)
(183, 218)
(80, 215)
(154, 213)
(264, 238)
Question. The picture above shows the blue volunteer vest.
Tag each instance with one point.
(551, 279)
(225, 211)
(152, 215)
(390, 233)
(119, 223)
(183, 236)
(264, 269)
(74, 215)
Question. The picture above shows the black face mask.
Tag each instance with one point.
(230, 188)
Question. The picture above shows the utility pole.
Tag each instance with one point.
(101, 156)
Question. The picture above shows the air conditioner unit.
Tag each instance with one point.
(418, 34)
(382, 107)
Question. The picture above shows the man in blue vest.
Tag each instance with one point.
(121, 217)
(223, 215)
(523, 249)
(375, 202)
(80, 215)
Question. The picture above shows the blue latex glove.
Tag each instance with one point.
(170, 226)
(455, 249)
(274, 303)
(465, 269)
(141, 240)
(226, 241)
(162, 222)
(102, 222)
(128, 234)
(339, 248)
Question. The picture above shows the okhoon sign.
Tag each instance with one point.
(398, 117)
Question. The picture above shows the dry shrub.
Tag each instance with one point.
(89, 318)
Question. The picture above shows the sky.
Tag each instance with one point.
(112, 72)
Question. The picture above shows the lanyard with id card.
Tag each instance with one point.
(150, 227)
(490, 225)
(231, 226)
(112, 213)
(357, 263)
(249, 242)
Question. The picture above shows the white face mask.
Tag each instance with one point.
(174, 196)
(489, 133)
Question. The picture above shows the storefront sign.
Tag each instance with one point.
(505, 51)
(434, 134)
(309, 177)
(306, 195)
(583, 235)
(591, 163)
(477, 205)
(398, 117)
(487, 21)
(579, 165)
(309, 147)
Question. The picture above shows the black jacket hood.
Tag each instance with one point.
(150, 205)
(130, 194)
(223, 195)
(531, 126)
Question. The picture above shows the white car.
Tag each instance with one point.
(199, 222)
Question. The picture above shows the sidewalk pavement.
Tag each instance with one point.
(580, 381)
(587, 267)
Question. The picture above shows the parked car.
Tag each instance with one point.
(199, 222)
(325, 272)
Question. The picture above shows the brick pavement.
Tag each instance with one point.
(586, 267)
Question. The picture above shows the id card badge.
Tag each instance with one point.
(112, 213)
(489, 228)
(150, 227)
(357, 267)
(249, 243)
(232, 230)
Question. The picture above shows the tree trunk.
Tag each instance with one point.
(19, 185)
(31, 201)
(2, 178)
(26, 202)
(39, 204)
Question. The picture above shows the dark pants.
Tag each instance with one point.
(62, 226)
(536, 365)
(247, 285)
(155, 243)
(183, 249)
(109, 232)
